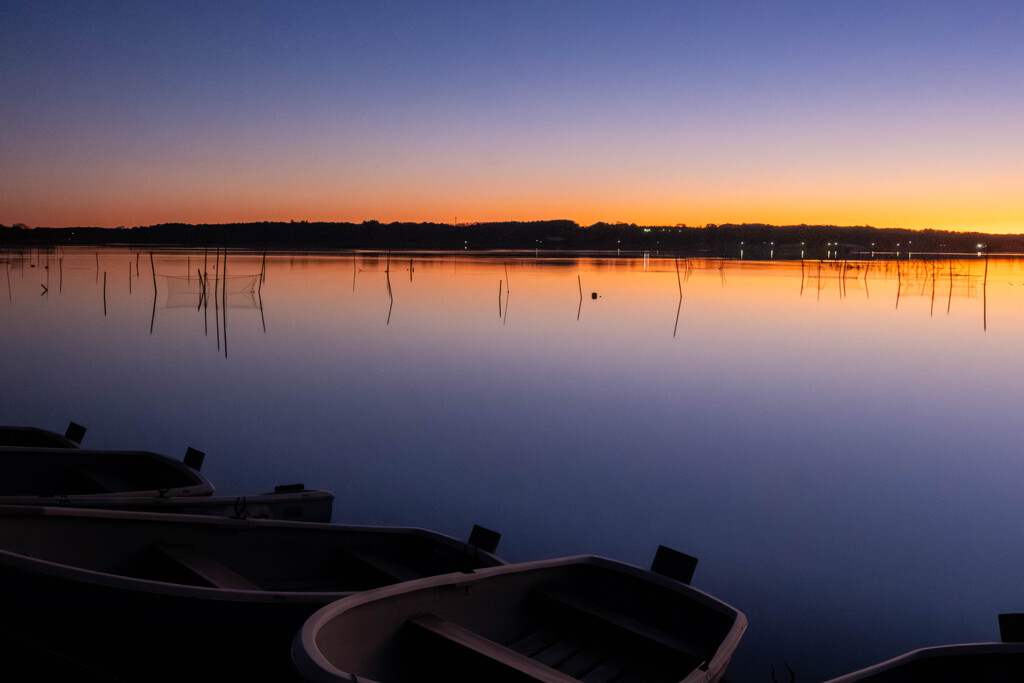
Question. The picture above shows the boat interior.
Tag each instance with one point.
(70, 472)
(588, 624)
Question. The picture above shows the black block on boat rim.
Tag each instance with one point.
(674, 564)
(484, 538)
(75, 432)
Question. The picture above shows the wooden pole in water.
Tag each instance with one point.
(129, 277)
(204, 300)
(580, 309)
(224, 303)
(931, 313)
(104, 294)
(202, 289)
(949, 305)
(216, 293)
(984, 297)
(899, 283)
(387, 275)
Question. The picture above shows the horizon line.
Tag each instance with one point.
(372, 221)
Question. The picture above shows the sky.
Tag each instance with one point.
(849, 112)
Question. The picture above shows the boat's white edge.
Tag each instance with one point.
(57, 569)
(313, 666)
(141, 498)
(930, 652)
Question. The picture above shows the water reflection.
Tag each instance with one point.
(838, 441)
(189, 280)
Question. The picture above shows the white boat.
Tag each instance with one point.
(189, 597)
(73, 473)
(581, 618)
(29, 437)
(964, 663)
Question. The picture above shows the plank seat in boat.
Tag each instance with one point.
(612, 669)
(106, 480)
(590, 658)
(556, 654)
(587, 662)
(604, 616)
(534, 642)
(205, 567)
(515, 666)
(389, 567)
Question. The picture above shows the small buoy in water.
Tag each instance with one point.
(593, 295)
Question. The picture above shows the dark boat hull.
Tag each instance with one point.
(141, 596)
(966, 663)
(79, 473)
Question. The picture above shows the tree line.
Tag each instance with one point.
(753, 239)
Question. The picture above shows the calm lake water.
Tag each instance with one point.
(838, 444)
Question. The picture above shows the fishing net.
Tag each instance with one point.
(234, 291)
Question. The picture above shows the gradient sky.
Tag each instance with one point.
(887, 113)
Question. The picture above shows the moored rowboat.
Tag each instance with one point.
(580, 618)
(127, 592)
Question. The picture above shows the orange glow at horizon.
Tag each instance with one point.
(982, 214)
(661, 194)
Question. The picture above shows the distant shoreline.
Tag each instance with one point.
(729, 240)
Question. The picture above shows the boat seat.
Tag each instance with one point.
(207, 568)
(107, 481)
(394, 570)
(520, 666)
(621, 622)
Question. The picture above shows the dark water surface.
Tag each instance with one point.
(838, 445)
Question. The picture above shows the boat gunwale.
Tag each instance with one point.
(932, 652)
(116, 501)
